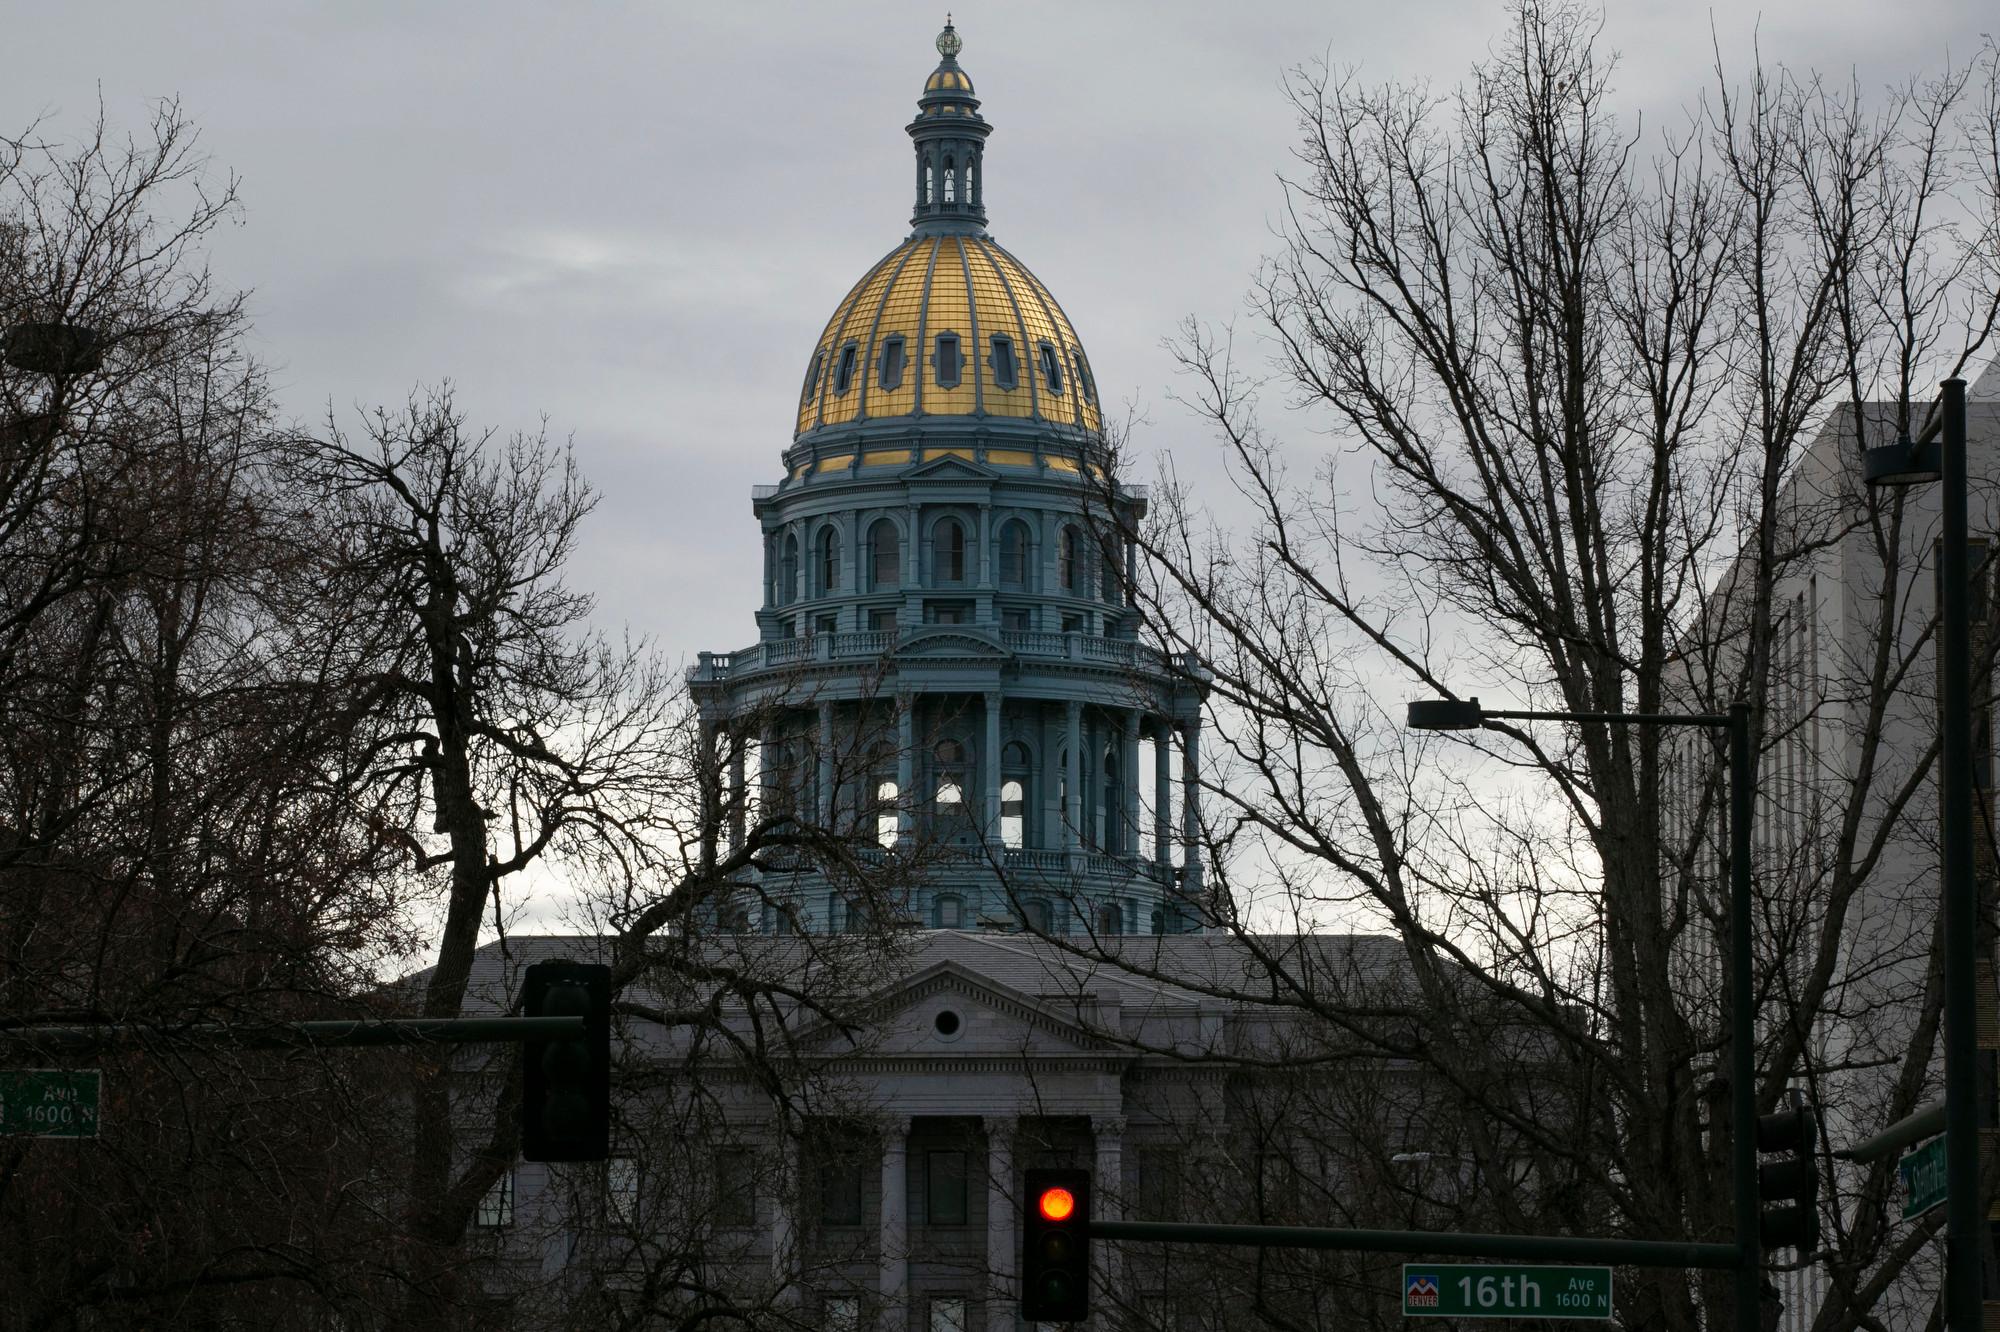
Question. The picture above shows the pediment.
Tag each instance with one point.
(951, 469)
(950, 641)
(986, 1020)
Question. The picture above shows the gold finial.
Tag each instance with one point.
(948, 44)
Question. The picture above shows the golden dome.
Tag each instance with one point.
(940, 303)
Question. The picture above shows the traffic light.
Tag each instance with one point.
(566, 1084)
(1055, 1251)
(1789, 1185)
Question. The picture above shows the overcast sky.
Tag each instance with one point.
(635, 218)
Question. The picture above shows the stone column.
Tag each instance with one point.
(1108, 1198)
(1128, 771)
(784, 1221)
(1002, 1227)
(989, 771)
(1163, 797)
(825, 766)
(1191, 803)
(767, 770)
(1073, 807)
(906, 764)
(895, 1230)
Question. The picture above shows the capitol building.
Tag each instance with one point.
(949, 684)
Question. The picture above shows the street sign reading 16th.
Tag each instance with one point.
(49, 1102)
(1480, 1290)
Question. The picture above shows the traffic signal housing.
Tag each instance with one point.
(1789, 1185)
(566, 1083)
(1055, 1248)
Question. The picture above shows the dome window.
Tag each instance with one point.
(1083, 380)
(812, 377)
(1002, 362)
(1051, 368)
(948, 364)
(892, 363)
(843, 378)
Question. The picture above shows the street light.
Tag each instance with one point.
(1451, 714)
(1907, 463)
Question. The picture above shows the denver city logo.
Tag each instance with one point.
(1421, 1290)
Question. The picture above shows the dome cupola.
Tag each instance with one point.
(950, 139)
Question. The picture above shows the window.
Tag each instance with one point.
(968, 185)
(950, 182)
(1110, 920)
(944, 1188)
(948, 612)
(948, 790)
(947, 1313)
(1109, 571)
(948, 551)
(1051, 369)
(886, 826)
(1083, 379)
(930, 181)
(949, 912)
(1158, 921)
(829, 561)
(1071, 563)
(1016, 619)
(840, 1190)
(812, 376)
(1072, 624)
(948, 364)
(885, 549)
(1041, 916)
(882, 621)
(621, 1190)
(496, 1207)
(1159, 1180)
(843, 378)
(1015, 771)
(788, 572)
(825, 624)
(1002, 361)
(892, 362)
(1014, 554)
(840, 1313)
(735, 1189)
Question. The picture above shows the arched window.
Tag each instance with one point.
(885, 556)
(886, 828)
(1014, 554)
(1109, 571)
(1016, 778)
(948, 788)
(948, 551)
(970, 197)
(950, 182)
(788, 571)
(1159, 921)
(829, 561)
(1110, 920)
(1072, 565)
(930, 195)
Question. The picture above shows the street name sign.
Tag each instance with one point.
(49, 1102)
(1483, 1290)
(1924, 1178)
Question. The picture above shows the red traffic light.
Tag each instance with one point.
(1057, 1204)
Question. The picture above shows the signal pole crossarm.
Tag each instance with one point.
(1543, 1248)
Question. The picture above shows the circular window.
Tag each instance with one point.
(947, 1023)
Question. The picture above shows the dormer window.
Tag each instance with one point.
(948, 364)
(1083, 380)
(892, 362)
(812, 377)
(1002, 362)
(843, 378)
(1051, 369)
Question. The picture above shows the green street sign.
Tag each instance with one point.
(49, 1102)
(1924, 1178)
(1482, 1290)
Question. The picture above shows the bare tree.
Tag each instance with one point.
(1576, 378)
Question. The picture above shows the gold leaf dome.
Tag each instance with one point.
(949, 325)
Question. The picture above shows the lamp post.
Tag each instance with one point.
(1450, 714)
(1909, 463)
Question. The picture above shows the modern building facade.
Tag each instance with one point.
(946, 657)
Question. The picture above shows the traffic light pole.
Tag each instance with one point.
(289, 1035)
(1545, 1248)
